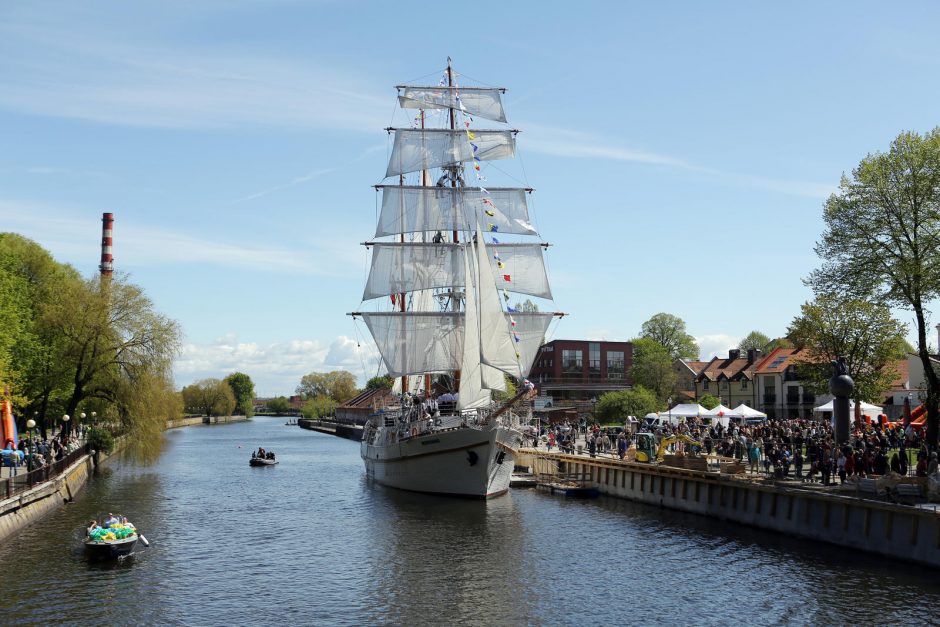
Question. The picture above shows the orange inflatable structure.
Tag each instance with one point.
(8, 425)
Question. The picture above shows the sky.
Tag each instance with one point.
(681, 153)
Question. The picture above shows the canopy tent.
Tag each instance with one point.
(685, 410)
(720, 414)
(746, 412)
(867, 409)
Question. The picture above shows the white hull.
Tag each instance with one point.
(467, 462)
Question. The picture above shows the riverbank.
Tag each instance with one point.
(339, 429)
(32, 505)
(812, 512)
(203, 420)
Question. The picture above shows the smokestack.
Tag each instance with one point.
(107, 226)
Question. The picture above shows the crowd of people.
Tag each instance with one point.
(800, 449)
(36, 452)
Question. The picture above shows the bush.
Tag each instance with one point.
(100, 440)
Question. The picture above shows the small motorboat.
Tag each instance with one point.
(262, 457)
(111, 541)
(261, 461)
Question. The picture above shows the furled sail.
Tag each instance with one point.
(424, 149)
(413, 343)
(483, 102)
(403, 267)
(410, 209)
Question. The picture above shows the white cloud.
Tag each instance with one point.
(275, 368)
(54, 227)
(112, 77)
(716, 345)
(567, 143)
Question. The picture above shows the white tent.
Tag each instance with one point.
(686, 410)
(746, 412)
(867, 409)
(720, 414)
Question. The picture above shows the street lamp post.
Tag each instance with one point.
(30, 424)
(669, 402)
(81, 425)
(65, 424)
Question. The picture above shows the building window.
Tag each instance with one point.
(743, 384)
(615, 364)
(571, 361)
(705, 384)
(594, 359)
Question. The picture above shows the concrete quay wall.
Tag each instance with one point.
(888, 529)
(203, 420)
(32, 505)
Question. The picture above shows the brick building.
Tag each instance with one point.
(579, 370)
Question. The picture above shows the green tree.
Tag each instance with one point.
(754, 339)
(780, 342)
(528, 306)
(652, 368)
(510, 391)
(339, 385)
(244, 390)
(708, 401)
(881, 240)
(209, 397)
(668, 331)
(319, 408)
(616, 406)
(279, 405)
(384, 382)
(864, 333)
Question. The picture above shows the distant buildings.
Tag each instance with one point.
(579, 370)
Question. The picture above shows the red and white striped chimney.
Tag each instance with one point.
(107, 261)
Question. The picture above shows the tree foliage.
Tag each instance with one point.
(754, 340)
(882, 239)
(209, 397)
(652, 368)
(384, 382)
(616, 406)
(864, 333)
(279, 405)
(668, 331)
(67, 343)
(319, 408)
(244, 390)
(708, 401)
(339, 385)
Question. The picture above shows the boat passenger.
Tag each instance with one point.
(92, 525)
(110, 520)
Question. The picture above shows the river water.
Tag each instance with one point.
(312, 542)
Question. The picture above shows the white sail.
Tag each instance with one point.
(471, 393)
(425, 149)
(493, 379)
(530, 331)
(496, 342)
(410, 209)
(402, 267)
(413, 343)
(482, 102)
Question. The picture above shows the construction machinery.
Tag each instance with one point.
(648, 451)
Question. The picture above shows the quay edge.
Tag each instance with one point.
(892, 530)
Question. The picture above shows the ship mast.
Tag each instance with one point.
(453, 183)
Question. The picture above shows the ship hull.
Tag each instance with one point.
(464, 462)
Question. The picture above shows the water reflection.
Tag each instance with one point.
(311, 542)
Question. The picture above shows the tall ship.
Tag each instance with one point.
(452, 259)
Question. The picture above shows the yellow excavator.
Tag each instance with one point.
(646, 445)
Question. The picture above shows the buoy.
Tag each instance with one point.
(143, 539)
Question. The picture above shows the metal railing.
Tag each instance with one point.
(26, 480)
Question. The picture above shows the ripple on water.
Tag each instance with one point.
(311, 541)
